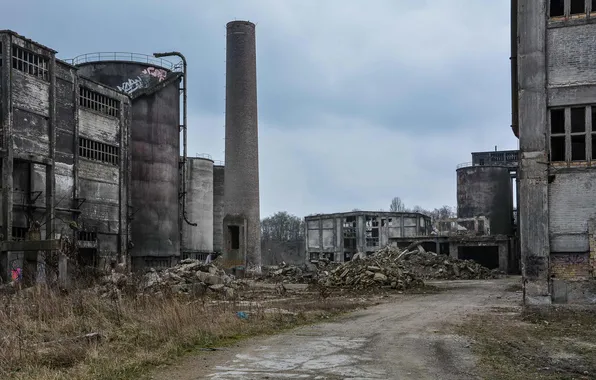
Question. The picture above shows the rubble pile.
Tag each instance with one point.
(188, 277)
(287, 274)
(380, 270)
(402, 269)
(430, 266)
(295, 274)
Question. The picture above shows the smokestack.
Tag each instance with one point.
(242, 222)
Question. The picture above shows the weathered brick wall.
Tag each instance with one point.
(571, 205)
(571, 58)
(571, 266)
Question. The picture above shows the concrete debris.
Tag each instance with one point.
(402, 269)
(188, 277)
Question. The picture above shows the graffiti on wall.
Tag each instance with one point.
(143, 80)
(132, 85)
(569, 258)
(160, 74)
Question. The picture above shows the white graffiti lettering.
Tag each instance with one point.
(131, 85)
(157, 73)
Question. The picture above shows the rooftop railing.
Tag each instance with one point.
(126, 57)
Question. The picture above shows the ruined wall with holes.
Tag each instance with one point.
(337, 237)
(49, 183)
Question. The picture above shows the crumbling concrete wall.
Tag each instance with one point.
(47, 185)
(533, 191)
(339, 236)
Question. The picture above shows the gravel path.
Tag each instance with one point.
(402, 339)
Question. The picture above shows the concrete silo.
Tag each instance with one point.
(241, 225)
(218, 207)
(197, 241)
(154, 150)
(486, 191)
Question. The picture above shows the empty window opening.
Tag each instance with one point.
(234, 232)
(578, 148)
(578, 119)
(30, 63)
(557, 8)
(577, 7)
(87, 257)
(19, 233)
(557, 148)
(390, 222)
(594, 146)
(347, 256)
(350, 244)
(97, 102)
(383, 222)
(95, 150)
(557, 121)
(593, 5)
(481, 226)
(486, 256)
(314, 256)
(87, 236)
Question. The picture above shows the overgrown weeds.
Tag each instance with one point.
(555, 343)
(46, 334)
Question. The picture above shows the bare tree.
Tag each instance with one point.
(397, 205)
(281, 227)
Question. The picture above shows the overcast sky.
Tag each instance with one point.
(359, 101)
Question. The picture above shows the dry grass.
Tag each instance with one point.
(556, 344)
(47, 335)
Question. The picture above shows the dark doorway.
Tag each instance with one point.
(485, 256)
(234, 232)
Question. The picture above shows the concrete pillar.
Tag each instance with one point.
(453, 250)
(63, 278)
(504, 257)
(533, 189)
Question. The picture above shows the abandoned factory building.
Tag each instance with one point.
(554, 115)
(338, 237)
(91, 160)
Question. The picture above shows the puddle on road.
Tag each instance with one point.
(303, 357)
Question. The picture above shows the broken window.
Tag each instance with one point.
(577, 7)
(557, 130)
(234, 232)
(97, 102)
(557, 148)
(87, 235)
(578, 147)
(578, 119)
(30, 63)
(557, 121)
(98, 151)
(19, 233)
(557, 8)
(593, 5)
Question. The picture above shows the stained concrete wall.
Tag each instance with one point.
(218, 207)
(199, 207)
(486, 191)
(242, 146)
(43, 164)
(556, 69)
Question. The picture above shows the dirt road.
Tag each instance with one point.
(407, 338)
